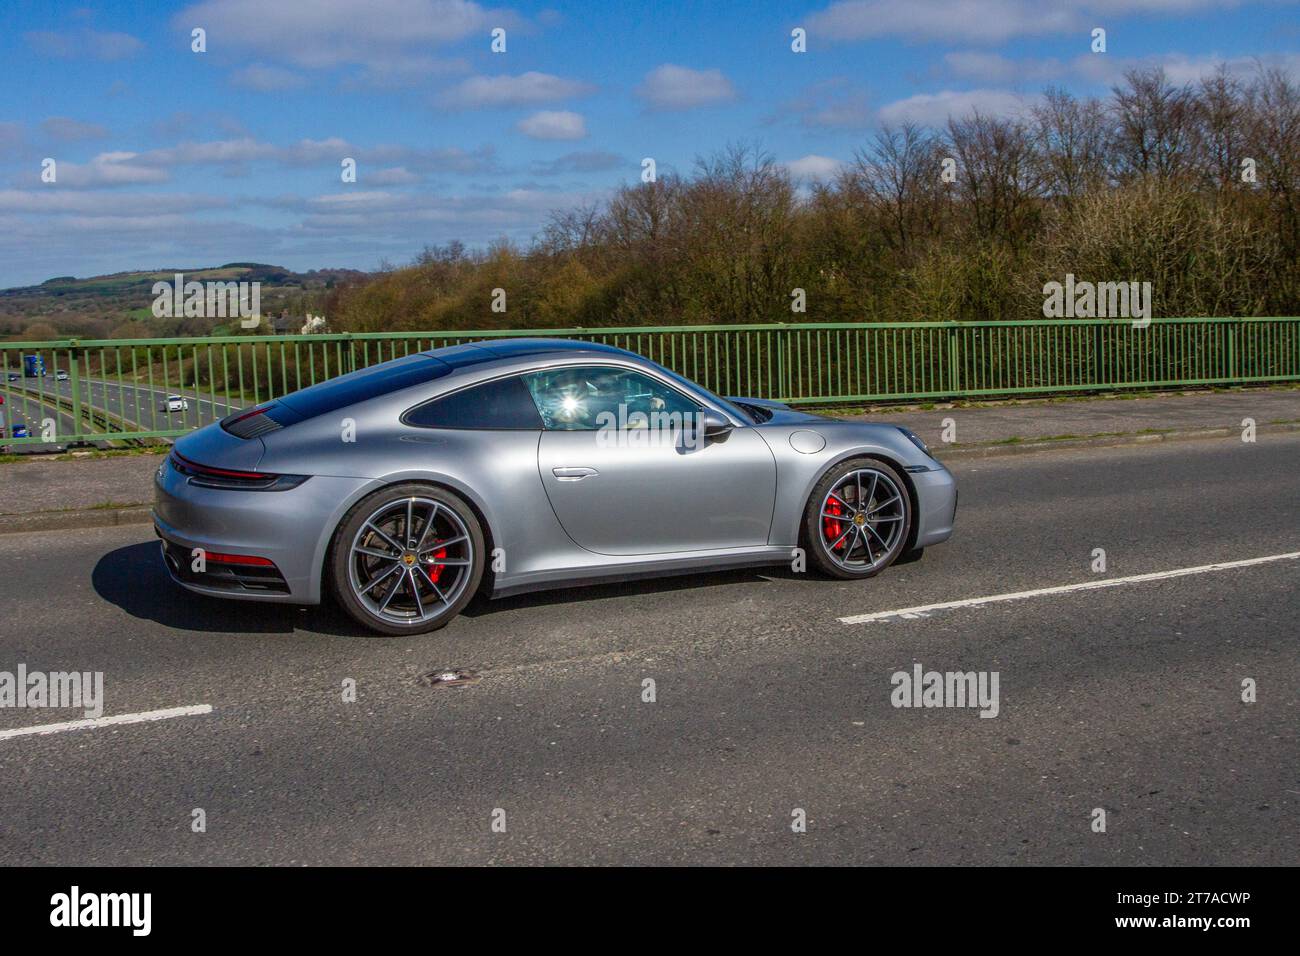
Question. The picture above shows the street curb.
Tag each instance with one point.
(997, 450)
(141, 514)
(65, 520)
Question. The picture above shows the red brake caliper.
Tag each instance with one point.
(434, 571)
(830, 527)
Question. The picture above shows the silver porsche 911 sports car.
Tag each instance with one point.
(406, 488)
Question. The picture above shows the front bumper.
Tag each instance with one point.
(936, 495)
(291, 529)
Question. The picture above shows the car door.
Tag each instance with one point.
(628, 472)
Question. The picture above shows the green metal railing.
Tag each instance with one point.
(117, 388)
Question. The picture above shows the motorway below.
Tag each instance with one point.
(142, 407)
(1127, 698)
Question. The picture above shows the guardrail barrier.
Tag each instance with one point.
(94, 390)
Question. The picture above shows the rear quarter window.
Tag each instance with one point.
(504, 404)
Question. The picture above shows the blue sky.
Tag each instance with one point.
(170, 158)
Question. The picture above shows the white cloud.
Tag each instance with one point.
(331, 33)
(318, 152)
(1180, 67)
(813, 166)
(672, 87)
(398, 71)
(553, 124)
(994, 68)
(214, 152)
(471, 218)
(82, 44)
(68, 130)
(12, 137)
(977, 21)
(833, 104)
(259, 76)
(105, 170)
(51, 200)
(591, 161)
(393, 176)
(526, 89)
(933, 109)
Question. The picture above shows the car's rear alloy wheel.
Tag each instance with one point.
(858, 519)
(407, 559)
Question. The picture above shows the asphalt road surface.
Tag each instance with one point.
(1127, 699)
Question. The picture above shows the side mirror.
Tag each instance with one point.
(714, 426)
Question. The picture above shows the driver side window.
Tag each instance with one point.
(589, 398)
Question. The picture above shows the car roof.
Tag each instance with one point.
(493, 349)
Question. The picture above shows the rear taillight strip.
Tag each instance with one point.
(231, 480)
(220, 472)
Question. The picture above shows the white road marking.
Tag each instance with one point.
(192, 711)
(924, 609)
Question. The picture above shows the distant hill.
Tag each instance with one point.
(120, 303)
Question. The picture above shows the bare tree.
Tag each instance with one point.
(1154, 125)
(1220, 130)
(997, 177)
(1071, 142)
(898, 177)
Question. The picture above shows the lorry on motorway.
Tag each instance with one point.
(33, 366)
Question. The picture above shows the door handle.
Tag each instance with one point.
(573, 474)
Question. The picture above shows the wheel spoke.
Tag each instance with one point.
(428, 523)
(883, 505)
(391, 543)
(449, 562)
(415, 590)
(381, 578)
(894, 518)
(878, 538)
(857, 476)
(847, 531)
(392, 593)
(375, 554)
(410, 518)
(840, 500)
(866, 543)
(436, 590)
(875, 478)
(439, 545)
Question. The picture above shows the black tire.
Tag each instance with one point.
(350, 570)
(875, 542)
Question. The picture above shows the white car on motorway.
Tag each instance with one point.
(174, 403)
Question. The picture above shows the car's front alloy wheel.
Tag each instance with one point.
(858, 519)
(407, 559)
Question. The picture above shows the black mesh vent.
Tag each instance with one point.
(250, 426)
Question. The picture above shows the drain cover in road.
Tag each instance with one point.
(450, 677)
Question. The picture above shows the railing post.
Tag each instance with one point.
(1097, 351)
(782, 390)
(954, 386)
(74, 379)
(1232, 351)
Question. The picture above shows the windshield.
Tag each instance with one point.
(738, 413)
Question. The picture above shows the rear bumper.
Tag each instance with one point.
(291, 529)
(210, 572)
